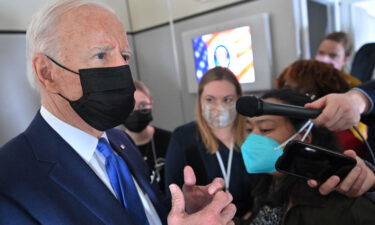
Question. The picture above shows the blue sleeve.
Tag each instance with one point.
(368, 89)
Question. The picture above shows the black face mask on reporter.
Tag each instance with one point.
(138, 120)
(108, 95)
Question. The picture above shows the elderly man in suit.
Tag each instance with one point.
(70, 166)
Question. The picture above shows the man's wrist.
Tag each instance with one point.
(360, 99)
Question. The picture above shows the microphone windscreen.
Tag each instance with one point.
(249, 106)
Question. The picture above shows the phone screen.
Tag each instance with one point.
(313, 162)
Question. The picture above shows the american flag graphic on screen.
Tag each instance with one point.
(230, 48)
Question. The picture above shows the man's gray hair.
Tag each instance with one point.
(41, 35)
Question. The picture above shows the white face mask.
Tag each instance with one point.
(220, 116)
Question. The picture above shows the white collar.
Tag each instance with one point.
(83, 143)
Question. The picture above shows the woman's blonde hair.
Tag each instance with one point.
(204, 131)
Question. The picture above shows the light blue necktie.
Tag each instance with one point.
(122, 183)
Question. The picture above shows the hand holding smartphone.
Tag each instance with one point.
(313, 162)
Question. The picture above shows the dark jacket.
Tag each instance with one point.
(369, 118)
(186, 148)
(302, 205)
(44, 181)
(309, 207)
(364, 62)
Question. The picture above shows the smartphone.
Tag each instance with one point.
(313, 162)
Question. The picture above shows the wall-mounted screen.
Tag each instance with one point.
(230, 48)
(242, 45)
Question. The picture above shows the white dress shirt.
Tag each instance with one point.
(85, 145)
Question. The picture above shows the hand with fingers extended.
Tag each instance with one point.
(357, 182)
(340, 111)
(219, 211)
(197, 197)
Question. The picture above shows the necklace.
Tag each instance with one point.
(158, 163)
(149, 146)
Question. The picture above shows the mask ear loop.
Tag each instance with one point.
(307, 131)
(65, 68)
(282, 145)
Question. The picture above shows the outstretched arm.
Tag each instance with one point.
(340, 111)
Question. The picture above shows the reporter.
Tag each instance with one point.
(335, 49)
(341, 111)
(285, 199)
(211, 143)
(318, 79)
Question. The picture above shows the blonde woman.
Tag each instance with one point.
(211, 143)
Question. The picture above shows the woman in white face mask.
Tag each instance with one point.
(211, 143)
(284, 199)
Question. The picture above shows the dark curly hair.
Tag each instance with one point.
(313, 77)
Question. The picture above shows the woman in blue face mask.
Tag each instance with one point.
(284, 199)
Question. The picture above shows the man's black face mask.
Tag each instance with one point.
(108, 95)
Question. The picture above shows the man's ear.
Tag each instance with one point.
(43, 72)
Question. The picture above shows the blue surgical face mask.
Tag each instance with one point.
(260, 153)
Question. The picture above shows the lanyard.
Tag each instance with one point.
(226, 174)
(158, 164)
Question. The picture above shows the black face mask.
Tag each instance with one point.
(108, 96)
(138, 120)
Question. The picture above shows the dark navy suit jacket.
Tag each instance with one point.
(44, 181)
(369, 118)
(369, 88)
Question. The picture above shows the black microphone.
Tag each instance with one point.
(252, 106)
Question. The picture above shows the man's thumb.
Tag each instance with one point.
(178, 200)
(317, 104)
(350, 153)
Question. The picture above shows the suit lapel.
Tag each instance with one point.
(72, 174)
(139, 169)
